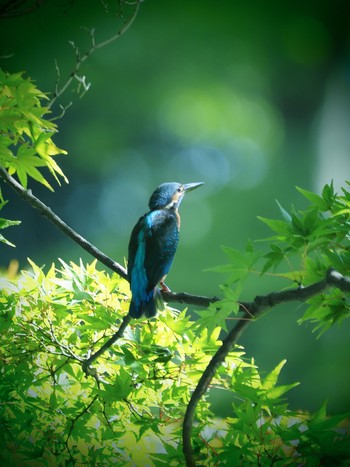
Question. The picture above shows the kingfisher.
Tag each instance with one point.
(152, 247)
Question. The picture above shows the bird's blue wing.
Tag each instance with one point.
(152, 247)
(161, 242)
(134, 244)
(142, 296)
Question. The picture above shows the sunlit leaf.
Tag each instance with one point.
(27, 143)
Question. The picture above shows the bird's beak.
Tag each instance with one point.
(192, 186)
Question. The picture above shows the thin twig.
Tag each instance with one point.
(107, 345)
(74, 420)
(80, 59)
(63, 108)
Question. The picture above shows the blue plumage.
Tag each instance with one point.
(152, 247)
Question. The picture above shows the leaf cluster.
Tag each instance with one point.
(26, 144)
(131, 412)
(5, 223)
(305, 244)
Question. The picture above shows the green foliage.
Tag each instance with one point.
(305, 245)
(26, 136)
(131, 411)
(4, 223)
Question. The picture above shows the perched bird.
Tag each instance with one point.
(153, 245)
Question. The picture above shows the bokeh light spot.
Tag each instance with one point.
(218, 115)
(201, 163)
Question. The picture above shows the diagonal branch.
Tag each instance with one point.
(251, 310)
(36, 203)
(117, 335)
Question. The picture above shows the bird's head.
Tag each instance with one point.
(169, 195)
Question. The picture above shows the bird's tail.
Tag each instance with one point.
(147, 307)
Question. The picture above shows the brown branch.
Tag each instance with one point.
(73, 422)
(251, 310)
(188, 299)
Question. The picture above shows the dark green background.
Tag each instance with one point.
(251, 97)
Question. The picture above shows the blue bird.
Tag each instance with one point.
(152, 247)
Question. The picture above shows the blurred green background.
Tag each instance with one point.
(250, 97)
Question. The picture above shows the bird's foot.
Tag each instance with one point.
(164, 287)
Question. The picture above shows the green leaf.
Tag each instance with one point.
(321, 414)
(280, 227)
(213, 318)
(4, 223)
(274, 258)
(317, 200)
(328, 194)
(120, 389)
(22, 175)
(278, 391)
(270, 380)
(241, 263)
(27, 142)
(286, 216)
(7, 242)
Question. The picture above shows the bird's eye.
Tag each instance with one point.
(180, 189)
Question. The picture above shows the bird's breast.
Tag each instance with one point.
(178, 219)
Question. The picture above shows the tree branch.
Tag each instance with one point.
(107, 345)
(35, 202)
(251, 310)
(188, 299)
